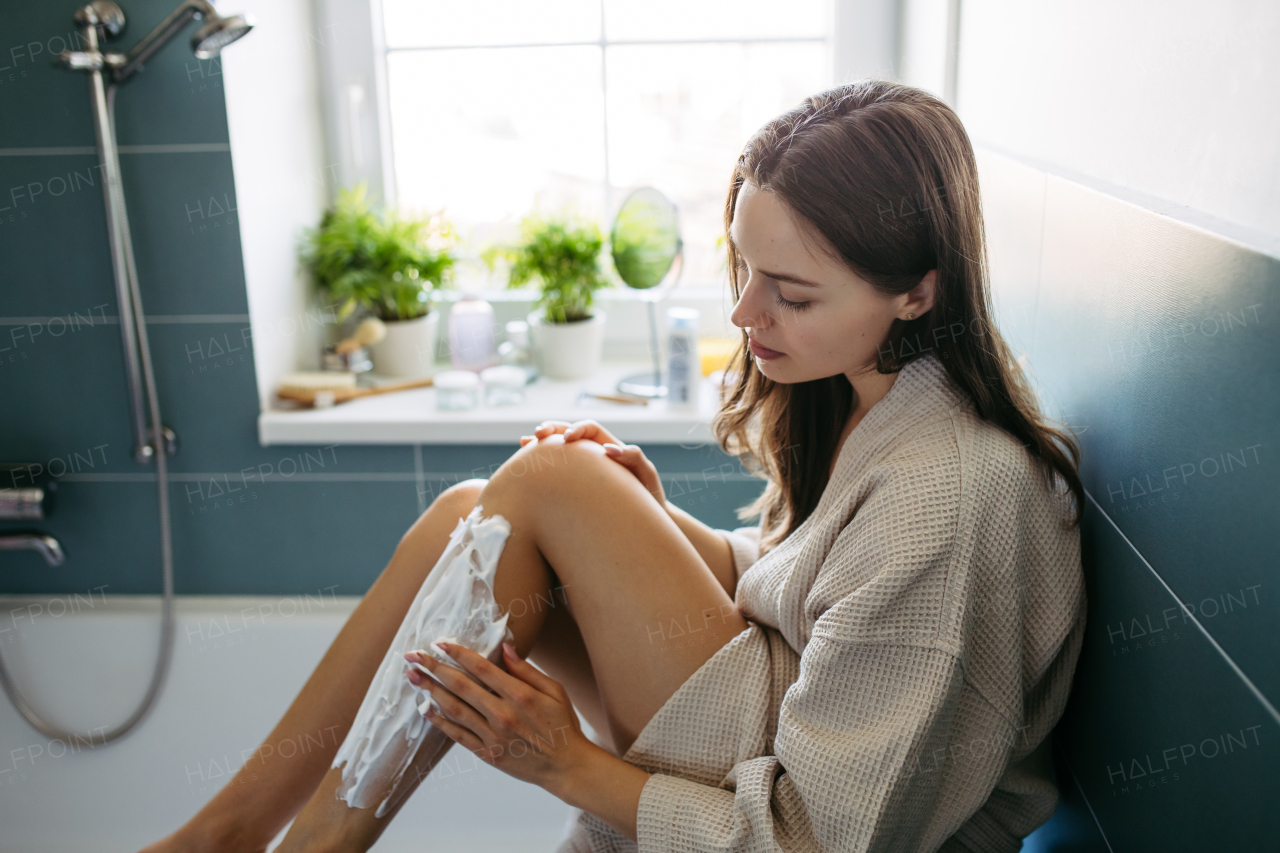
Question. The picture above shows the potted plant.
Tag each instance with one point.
(563, 256)
(388, 266)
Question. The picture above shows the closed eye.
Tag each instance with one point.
(778, 299)
(789, 305)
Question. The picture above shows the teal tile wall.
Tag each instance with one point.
(1116, 314)
(1171, 747)
(246, 519)
(1180, 326)
(1155, 342)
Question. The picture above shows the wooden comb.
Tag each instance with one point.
(321, 398)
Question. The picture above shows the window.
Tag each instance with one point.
(500, 107)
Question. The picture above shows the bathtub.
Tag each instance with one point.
(84, 661)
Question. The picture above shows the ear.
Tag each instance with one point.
(921, 297)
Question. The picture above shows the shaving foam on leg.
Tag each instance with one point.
(455, 604)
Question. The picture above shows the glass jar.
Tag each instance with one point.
(503, 385)
(516, 350)
(456, 390)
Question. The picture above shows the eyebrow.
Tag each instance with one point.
(781, 276)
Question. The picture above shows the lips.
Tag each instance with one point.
(764, 352)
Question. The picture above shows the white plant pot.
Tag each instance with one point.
(567, 350)
(409, 349)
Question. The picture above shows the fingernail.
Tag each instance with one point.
(510, 652)
(612, 449)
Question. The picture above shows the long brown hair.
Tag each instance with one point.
(886, 173)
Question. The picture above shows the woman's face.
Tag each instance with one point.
(836, 320)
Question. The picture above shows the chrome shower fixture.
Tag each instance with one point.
(153, 441)
(210, 39)
(106, 19)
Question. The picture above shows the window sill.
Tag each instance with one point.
(410, 417)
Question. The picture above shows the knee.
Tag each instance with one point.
(461, 497)
(454, 503)
(542, 463)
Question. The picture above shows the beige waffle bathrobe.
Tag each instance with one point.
(910, 646)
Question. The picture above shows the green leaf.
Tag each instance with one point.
(359, 257)
(562, 256)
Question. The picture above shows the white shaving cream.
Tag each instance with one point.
(455, 604)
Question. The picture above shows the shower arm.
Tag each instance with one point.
(157, 38)
(99, 18)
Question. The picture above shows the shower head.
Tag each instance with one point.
(103, 19)
(219, 32)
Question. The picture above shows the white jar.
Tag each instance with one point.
(503, 385)
(456, 390)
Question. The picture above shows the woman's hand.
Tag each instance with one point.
(526, 727)
(572, 432)
(629, 455)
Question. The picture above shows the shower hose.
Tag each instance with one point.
(117, 215)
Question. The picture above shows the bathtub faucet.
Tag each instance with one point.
(46, 545)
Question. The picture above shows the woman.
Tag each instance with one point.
(878, 664)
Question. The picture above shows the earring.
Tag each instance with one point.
(911, 316)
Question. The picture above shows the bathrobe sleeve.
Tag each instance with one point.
(873, 722)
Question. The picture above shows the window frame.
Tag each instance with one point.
(861, 38)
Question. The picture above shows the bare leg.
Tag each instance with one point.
(625, 567)
(261, 800)
(270, 789)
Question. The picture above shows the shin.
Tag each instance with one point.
(456, 603)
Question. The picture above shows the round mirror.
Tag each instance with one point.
(645, 243)
(645, 238)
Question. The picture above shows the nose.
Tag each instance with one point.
(749, 313)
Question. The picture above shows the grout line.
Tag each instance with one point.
(1253, 688)
(184, 148)
(65, 150)
(1075, 777)
(178, 319)
(418, 476)
(420, 479)
(175, 477)
(113, 320)
(47, 151)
